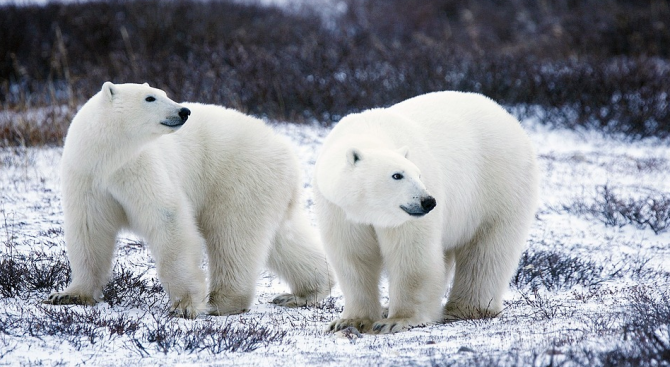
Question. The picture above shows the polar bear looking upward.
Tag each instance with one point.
(441, 184)
(224, 181)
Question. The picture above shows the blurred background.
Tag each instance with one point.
(601, 64)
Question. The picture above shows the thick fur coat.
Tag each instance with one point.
(439, 189)
(224, 182)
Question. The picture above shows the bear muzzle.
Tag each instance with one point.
(175, 121)
(422, 208)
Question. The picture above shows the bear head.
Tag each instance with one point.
(139, 111)
(380, 187)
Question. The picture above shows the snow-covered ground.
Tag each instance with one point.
(579, 284)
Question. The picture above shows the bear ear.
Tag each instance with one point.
(353, 156)
(404, 151)
(109, 90)
(146, 84)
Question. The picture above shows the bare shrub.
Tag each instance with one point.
(78, 326)
(649, 308)
(230, 338)
(545, 308)
(128, 289)
(22, 274)
(85, 326)
(646, 333)
(167, 335)
(291, 65)
(555, 271)
(648, 211)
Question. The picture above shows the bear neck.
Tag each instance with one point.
(96, 153)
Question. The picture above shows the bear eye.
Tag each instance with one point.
(397, 176)
(150, 99)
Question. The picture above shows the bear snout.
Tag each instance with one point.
(176, 122)
(184, 113)
(428, 203)
(422, 208)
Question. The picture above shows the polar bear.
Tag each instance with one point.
(442, 187)
(224, 181)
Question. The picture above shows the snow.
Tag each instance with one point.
(537, 327)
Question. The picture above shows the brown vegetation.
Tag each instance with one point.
(583, 63)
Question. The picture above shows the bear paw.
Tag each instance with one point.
(185, 308)
(392, 325)
(61, 298)
(362, 325)
(224, 311)
(219, 309)
(291, 300)
(222, 305)
(453, 313)
(184, 312)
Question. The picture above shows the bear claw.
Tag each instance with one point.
(291, 300)
(389, 326)
(362, 325)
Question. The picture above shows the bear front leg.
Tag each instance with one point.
(90, 236)
(354, 254)
(359, 281)
(167, 223)
(176, 246)
(414, 261)
(358, 277)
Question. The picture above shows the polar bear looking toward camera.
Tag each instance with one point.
(224, 182)
(438, 189)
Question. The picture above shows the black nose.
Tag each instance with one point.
(183, 113)
(428, 203)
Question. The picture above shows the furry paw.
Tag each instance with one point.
(389, 326)
(184, 312)
(61, 298)
(362, 325)
(453, 312)
(220, 305)
(186, 308)
(224, 311)
(291, 300)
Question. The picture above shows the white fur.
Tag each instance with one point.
(224, 180)
(476, 161)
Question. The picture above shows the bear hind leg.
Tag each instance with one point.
(482, 273)
(298, 258)
(235, 260)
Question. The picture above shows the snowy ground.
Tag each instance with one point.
(588, 273)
